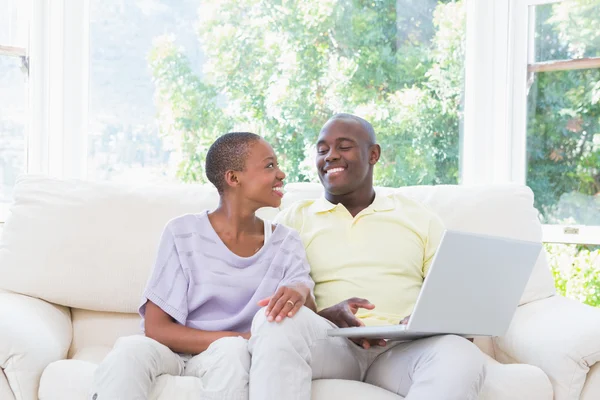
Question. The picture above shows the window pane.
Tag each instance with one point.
(563, 136)
(13, 126)
(169, 78)
(124, 142)
(567, 30)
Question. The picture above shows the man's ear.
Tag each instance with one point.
(374, 154)
(232, 179)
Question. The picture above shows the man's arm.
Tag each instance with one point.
(343, 315)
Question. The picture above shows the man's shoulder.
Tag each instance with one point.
(405, 203)
(295, 214)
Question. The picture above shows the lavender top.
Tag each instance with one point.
(202, 284)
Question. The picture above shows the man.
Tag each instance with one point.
(369, 254)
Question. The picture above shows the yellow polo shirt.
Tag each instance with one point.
(383, 254)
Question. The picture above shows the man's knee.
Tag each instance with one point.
(462, 355)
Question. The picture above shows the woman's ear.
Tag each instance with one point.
(232, 179)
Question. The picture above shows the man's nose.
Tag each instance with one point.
(332, 155)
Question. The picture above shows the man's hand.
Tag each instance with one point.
(343, 315)
(284, 303)
(405, 320)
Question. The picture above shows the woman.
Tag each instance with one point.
(212, 273)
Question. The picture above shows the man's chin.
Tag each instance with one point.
(337, 190)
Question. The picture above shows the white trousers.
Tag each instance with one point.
(130, 370)
(287, 356)
(281, 360)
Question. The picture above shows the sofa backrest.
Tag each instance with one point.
(92, 245)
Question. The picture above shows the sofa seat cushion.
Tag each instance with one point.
(72, 379)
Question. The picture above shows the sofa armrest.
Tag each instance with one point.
(558, 335)
(33, 333)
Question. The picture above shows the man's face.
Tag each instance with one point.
(345, 156)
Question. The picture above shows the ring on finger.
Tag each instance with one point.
(291, 303)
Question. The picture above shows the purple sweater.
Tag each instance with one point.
(199, 282)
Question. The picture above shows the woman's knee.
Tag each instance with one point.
(304, 318)
(228, 356)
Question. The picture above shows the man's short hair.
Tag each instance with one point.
(363, 122)
(228, 153)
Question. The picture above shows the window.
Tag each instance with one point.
(563, 118)
(125, 142)
(13, 96)
(167, 78)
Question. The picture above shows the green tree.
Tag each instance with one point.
(282, 68)
(564, 117)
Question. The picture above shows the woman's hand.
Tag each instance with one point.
(285, 302)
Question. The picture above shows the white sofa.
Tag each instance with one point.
(75, 256)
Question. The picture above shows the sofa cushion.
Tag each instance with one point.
(71, 380)
(100, 329)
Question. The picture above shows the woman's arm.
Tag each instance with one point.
(161, 327)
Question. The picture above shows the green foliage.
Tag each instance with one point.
(576, 271)
(283, 68)
(563, 137)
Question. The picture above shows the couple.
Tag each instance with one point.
(201, 309)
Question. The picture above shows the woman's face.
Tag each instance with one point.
(261, 181)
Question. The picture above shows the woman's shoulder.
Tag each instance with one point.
(187, 224)
(286, 236)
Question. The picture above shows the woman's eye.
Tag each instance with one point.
(270, 165)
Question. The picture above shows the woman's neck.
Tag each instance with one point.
(236, 219)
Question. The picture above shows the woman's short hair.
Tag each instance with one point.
(228, 153)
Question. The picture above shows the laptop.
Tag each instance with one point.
(472, 289)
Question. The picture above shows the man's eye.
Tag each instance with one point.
(321, 151)
(345, 147)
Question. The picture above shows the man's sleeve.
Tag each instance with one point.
(432, 242)
(168, 285)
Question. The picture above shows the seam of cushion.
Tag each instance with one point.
(9, 385)
(14, 382)
(573, 391)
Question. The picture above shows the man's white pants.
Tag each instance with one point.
(287, 356)
(130, 370)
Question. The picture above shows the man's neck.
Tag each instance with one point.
(355, 201)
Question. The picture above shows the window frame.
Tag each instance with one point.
(521, 56)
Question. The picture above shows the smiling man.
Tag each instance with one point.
(369, 254)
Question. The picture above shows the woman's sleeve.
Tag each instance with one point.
(298, 270)
(168, 285)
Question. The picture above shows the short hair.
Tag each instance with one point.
(228, 153)
(363, 122)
